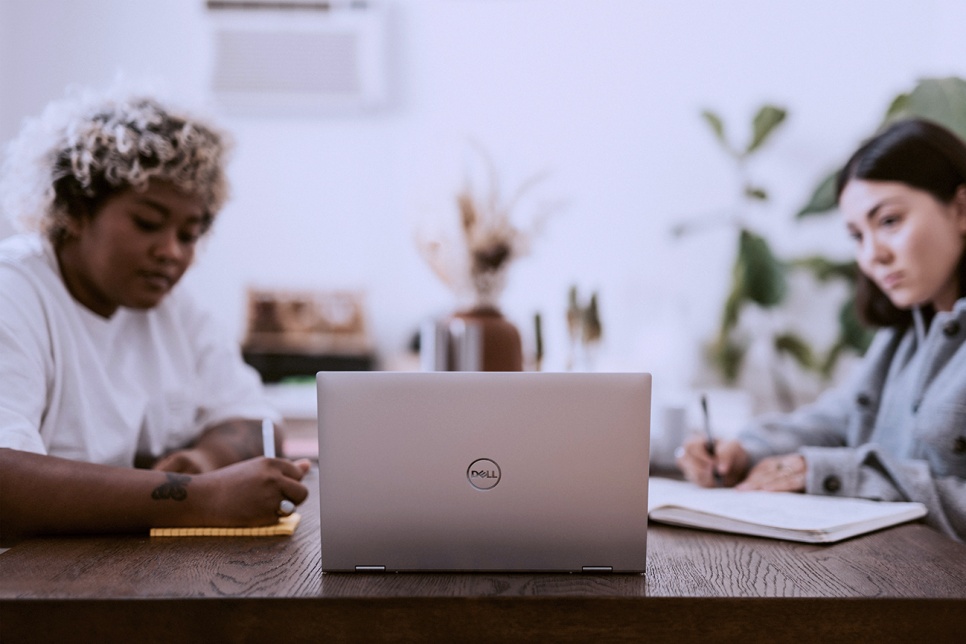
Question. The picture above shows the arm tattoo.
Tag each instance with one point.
(174, 489)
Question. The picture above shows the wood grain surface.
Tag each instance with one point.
(901, 582)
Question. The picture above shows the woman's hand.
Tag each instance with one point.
(249, 493)
(730, 462)
(51, 495)
(785, 473)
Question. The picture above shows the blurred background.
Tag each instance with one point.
(333, 182)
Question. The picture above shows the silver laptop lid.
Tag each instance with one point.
(475, 471)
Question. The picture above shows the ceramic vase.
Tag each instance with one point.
(499, 346)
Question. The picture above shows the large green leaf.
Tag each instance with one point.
(762, 275)
(823, 198)
(897, 105)
(942, 100)
(766, 120)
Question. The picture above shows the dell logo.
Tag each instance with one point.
(483, 474)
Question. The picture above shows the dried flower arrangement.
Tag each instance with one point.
(475, 268)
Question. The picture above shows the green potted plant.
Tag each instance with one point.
(758, 278)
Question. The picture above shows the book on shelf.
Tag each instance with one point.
(791, 516)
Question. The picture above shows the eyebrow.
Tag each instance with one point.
(876, 208)
(156, 205)
(204, 219)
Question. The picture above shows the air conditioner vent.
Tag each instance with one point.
(280, 61)
(323, 63)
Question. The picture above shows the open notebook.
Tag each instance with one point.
(778, 515)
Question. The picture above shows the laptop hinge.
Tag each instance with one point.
(598, 569)
(370, 569)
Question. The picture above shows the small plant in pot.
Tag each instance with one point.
(476, 264)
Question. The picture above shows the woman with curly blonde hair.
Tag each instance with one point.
(122, 407)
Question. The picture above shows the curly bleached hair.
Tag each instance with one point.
(84, 149)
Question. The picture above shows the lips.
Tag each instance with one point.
(891, 281)
(157, 281)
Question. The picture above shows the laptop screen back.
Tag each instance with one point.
(476, 471)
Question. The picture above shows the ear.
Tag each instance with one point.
(76, 220)
(73, 225)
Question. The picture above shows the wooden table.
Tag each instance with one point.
(906, 583)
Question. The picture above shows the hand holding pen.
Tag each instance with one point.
(709, 442)
(711, 463)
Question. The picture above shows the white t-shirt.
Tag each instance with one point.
(79, 386)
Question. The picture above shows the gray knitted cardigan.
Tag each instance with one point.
(896, 431)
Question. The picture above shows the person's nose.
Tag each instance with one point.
(169, 248)
(874, 251)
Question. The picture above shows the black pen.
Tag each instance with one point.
(709, 444)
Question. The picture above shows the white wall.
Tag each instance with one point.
(605, 95)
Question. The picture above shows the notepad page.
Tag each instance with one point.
(285, 527)
(784, 510)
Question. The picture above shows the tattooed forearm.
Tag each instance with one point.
(175, 488)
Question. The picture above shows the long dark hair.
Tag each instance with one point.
(922, 155)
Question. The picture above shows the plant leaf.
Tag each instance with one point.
(732, 308)
(897, 106)
(728, 355)
(823, 198)
(831, 359)
(797, 348)
(766, 120)
(761, 274)
(942, 100)
(725, 353)
(854, 334)
(756, 193)
(825, 269)
(717, 126)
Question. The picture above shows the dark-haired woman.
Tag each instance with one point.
(897, 430)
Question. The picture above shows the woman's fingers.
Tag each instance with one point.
(785, 473)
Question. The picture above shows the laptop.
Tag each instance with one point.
(483, 471)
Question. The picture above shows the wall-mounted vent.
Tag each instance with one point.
(299, 58)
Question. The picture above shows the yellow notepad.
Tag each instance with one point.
(285, 527)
